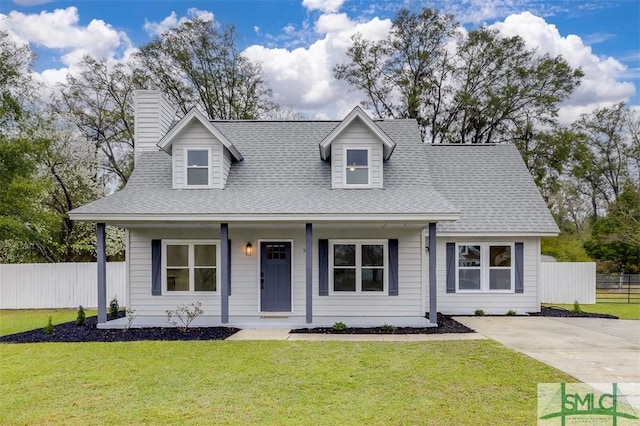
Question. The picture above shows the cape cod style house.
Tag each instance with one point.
(358, 220)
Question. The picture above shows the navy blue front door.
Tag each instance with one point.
(275, 277)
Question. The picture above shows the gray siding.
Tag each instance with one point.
(195, 135)
(357, 135)
(154, 116)
(492, 303)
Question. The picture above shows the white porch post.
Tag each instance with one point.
(101, 257)
(309, 271)
(224, 285)
(433, 287)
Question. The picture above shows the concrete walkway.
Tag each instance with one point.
(592, 350)
(283, 334)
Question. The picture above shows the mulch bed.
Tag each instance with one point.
(70, 332)
(446, 324)
(555, 311)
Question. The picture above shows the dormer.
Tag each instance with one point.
(357, 149)
(201, 154)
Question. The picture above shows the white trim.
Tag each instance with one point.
(167, 140)
(424, 271)
(358, 266)
(485, 268)
(185, 167)
(190, 243)
(345, 166)
(417, 218)
(357, 112)
(259, 268)
(506, 234)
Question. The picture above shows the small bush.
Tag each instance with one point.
(81, 316)
(48, 329)
(339, 326)
(185, 314)
(479, 313)
(576, 307)
(114, 308)
(131, 316)
(511, 313)
(389, 328)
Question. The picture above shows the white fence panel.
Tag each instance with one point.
(58, 285)
(566, 282)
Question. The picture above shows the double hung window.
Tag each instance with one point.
(190, 266)
(356, 167)
(358, 266)
(197, 167)
(485, 267)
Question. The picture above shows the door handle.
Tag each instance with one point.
(261, 280)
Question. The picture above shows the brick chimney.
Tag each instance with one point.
(153, 117)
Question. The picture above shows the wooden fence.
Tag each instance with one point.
(566, 282)
(58, 285)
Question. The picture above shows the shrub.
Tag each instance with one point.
(479, 313)
(576, 307)
(131, 316)
(511, 313)
(48, 329)
(81, 316)
(389, 328)
(114, 308)
(185, 314)
(339, 326)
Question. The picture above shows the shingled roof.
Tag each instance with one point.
(282, 173)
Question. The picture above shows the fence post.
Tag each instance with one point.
(628, 288)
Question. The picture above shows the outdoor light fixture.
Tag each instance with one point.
(248, 249)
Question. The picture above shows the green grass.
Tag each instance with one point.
(270, 382)
(627, 311)
(17, 320)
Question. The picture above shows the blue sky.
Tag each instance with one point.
(298, 42)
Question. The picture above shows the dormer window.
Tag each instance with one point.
(198, 167)
(356, 167)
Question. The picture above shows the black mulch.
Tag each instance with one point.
(446, 324)
(70, 332)
(555, 311)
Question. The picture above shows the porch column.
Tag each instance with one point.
(309, 271)
(101, 257)
(224, 285)
(433, 287)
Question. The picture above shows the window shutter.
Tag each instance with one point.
(451, 267)
(156, 268)
(323, 265)
(229, 267)
(393, 267)
(519, 264)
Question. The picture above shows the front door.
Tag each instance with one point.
(275, 277)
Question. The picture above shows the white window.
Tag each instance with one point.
(485, 267)
(356, 172)
(197, 161)
(358, 266)
(190, 266)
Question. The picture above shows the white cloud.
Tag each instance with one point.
(60, 30)
(600, 85)
(326, 6)
(302, 78)
(172, 21)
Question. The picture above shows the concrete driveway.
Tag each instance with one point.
(592, 350)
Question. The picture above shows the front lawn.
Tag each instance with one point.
(17, 320)
(270, 382)
(627, 311)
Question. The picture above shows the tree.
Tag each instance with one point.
(198, 64)
(616, 237)
(412, 62)
(486, 89)
(16, 82)
(99, 101)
